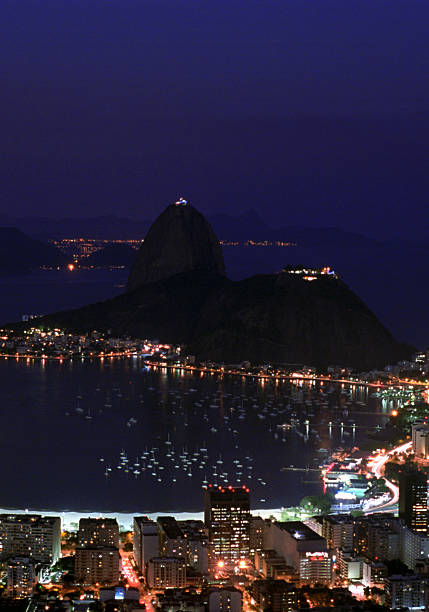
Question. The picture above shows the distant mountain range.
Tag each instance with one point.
(20, 253)
(390, 276)
(247, 226)
(178, 292)
(109, 227)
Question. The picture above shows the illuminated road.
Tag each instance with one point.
(129, 573)
(147, 600)
(290, 376)
(376, 467)
(133, 581)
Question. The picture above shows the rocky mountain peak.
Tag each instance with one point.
(180, 240)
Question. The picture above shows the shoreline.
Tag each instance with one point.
(70, 518)
(221, 372)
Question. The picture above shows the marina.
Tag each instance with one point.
(131, 429)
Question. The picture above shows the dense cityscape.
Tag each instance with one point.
(367, 559)
(45, 343)
(362, 544)
(214, 341)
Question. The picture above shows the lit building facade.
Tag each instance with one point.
(419, 433)
(407, 592)
(349, 566)
(21, 577)
(98, 532)
(377, 536)
(269, 564)
(374, 574)
(172, 542)
(166, 572)
(227, 516)
(197, 543)
(97, 565)
(413, 500)
(30, 535)
(338, 531)
(145, 541)
(303, 549)
(256, 535)
(315, 567)
(414, 547)
(227, 599)
(275, 595)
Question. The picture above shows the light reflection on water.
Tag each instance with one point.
(59, 420)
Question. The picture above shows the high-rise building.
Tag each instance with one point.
(97, 557)
(172, 542)
(374, 573)
(166, 572)
(98, 532)
(227, 516)
(420, 438)
(275, 595)
(197, 544)
(21, 577)
(338, 531)
(303, 549)
(414, 547)
(350, 567)
(410, 592)
(377, 536)
(145, 541)
(256, 535)
(185, 539)
(97, 565)
(30, 535)
(413, 500)
(270, 564)
(225, 599)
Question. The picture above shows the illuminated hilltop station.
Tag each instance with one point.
(310, 274)
(181, 202)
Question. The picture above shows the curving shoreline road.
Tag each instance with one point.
(376, 468)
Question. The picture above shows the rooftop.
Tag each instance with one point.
(103, 522)
(299, 531)
(170, 527)
(28, 518)
(338, 519)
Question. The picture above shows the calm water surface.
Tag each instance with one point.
(116, 436)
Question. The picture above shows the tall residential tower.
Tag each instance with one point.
(413, 500)
(227, 516)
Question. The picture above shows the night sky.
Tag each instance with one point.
(312, 112)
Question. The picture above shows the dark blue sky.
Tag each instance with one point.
(310, 111)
